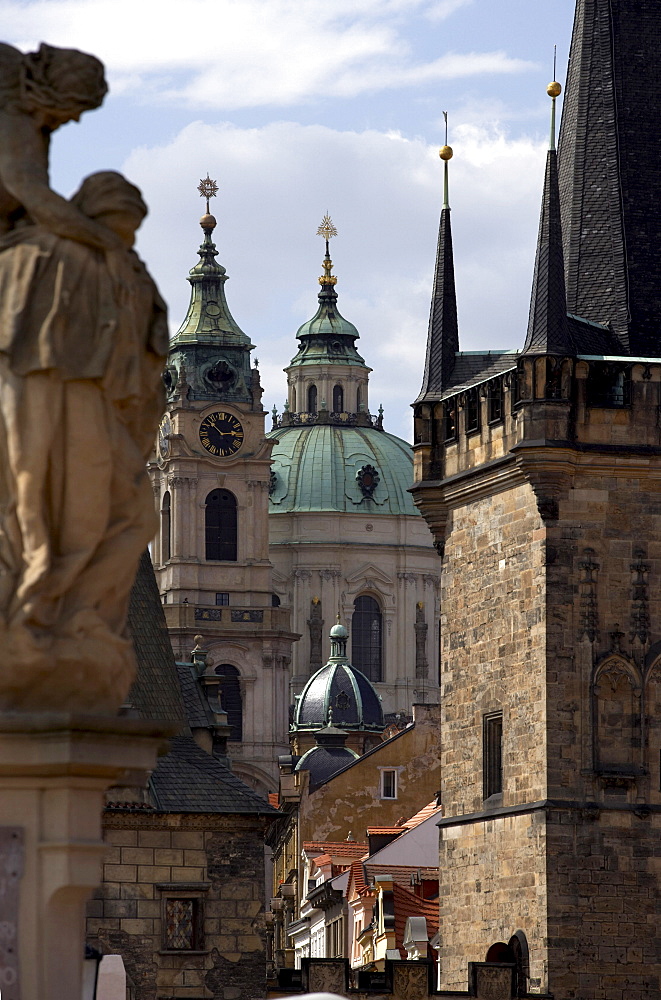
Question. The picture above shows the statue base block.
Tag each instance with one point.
(55, 769)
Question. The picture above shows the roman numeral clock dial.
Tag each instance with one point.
(221, 434)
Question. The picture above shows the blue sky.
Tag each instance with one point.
(298, 107)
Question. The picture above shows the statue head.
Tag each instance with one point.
(61, 84)
(113, 201)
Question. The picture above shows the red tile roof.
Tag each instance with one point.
(274, 800)
(343, 849)
(408, 905)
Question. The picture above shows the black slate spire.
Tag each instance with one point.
(443, 334)
(548, 328)
(610, 183)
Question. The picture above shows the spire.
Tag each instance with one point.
(328, 335)
(443, 334)
(610, 184)
(548, 328)
(209, 320)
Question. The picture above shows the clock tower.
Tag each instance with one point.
(211, 474)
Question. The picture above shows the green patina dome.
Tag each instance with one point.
(323, 467)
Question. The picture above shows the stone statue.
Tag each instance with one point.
(83, 337)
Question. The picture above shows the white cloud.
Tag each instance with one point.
(383, 192)
(246, 53)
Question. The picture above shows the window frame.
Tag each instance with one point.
(184, 891)
(492, 756)
(363, 649)
(226, 537)
(382, 783)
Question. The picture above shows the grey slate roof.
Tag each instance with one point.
(473, 367)
(610, 183)
(198, 712)
(155, 693)
(189, 780)
(548, 328)
(443, 334)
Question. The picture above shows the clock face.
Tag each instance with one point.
(164, 432)
(221, 434)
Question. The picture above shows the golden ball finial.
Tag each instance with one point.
(208, 222)
(446, 153)
(554, 89)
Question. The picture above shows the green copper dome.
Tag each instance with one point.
(352, 469)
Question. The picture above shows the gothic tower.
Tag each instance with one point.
(539, 475)
(211, 479)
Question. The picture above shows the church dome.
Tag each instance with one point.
(341, 694)
(328, 757)
(349, 469)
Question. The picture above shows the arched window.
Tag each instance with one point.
(166, 529)
(338, 399)
(312, 399)
(367, 637)
(359, 398)
(220, 526)
(231, 700)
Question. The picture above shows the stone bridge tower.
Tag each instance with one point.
(540, 475)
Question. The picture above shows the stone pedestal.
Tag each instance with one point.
(54, 771)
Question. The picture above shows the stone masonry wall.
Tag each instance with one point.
(604, 614)
(492, 884)
(492, 648)
(219, 860)
(493, 879)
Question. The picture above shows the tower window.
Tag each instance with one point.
(220, 522)
(451, 419)
(492, 754)
(231, 700)
(338, 399)
(495, 401)
(223, 599)
(367, 637)
(359, 399)
(312, 399)
(166, 529)
(472, 411)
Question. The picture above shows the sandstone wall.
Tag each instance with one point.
(221, 862)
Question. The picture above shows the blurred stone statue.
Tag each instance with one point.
(83, 337)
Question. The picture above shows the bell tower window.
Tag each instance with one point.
(367, 637)
(166, 531)
(231, 700)
(312, 399)
(338, 399)
(359, 399)
(220, 522)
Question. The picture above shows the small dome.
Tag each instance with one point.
(339, 632)
(342, 693)
(324, 761)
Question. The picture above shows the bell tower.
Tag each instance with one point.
(210, 475)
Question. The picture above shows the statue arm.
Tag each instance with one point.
(24, 175)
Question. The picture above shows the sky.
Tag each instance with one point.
(301, 107)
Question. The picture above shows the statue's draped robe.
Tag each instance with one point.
(83, 337)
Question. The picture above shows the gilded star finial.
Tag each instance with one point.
(208, 189)
(327, 230)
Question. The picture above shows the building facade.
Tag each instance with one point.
(539, 475)
(210, 474)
